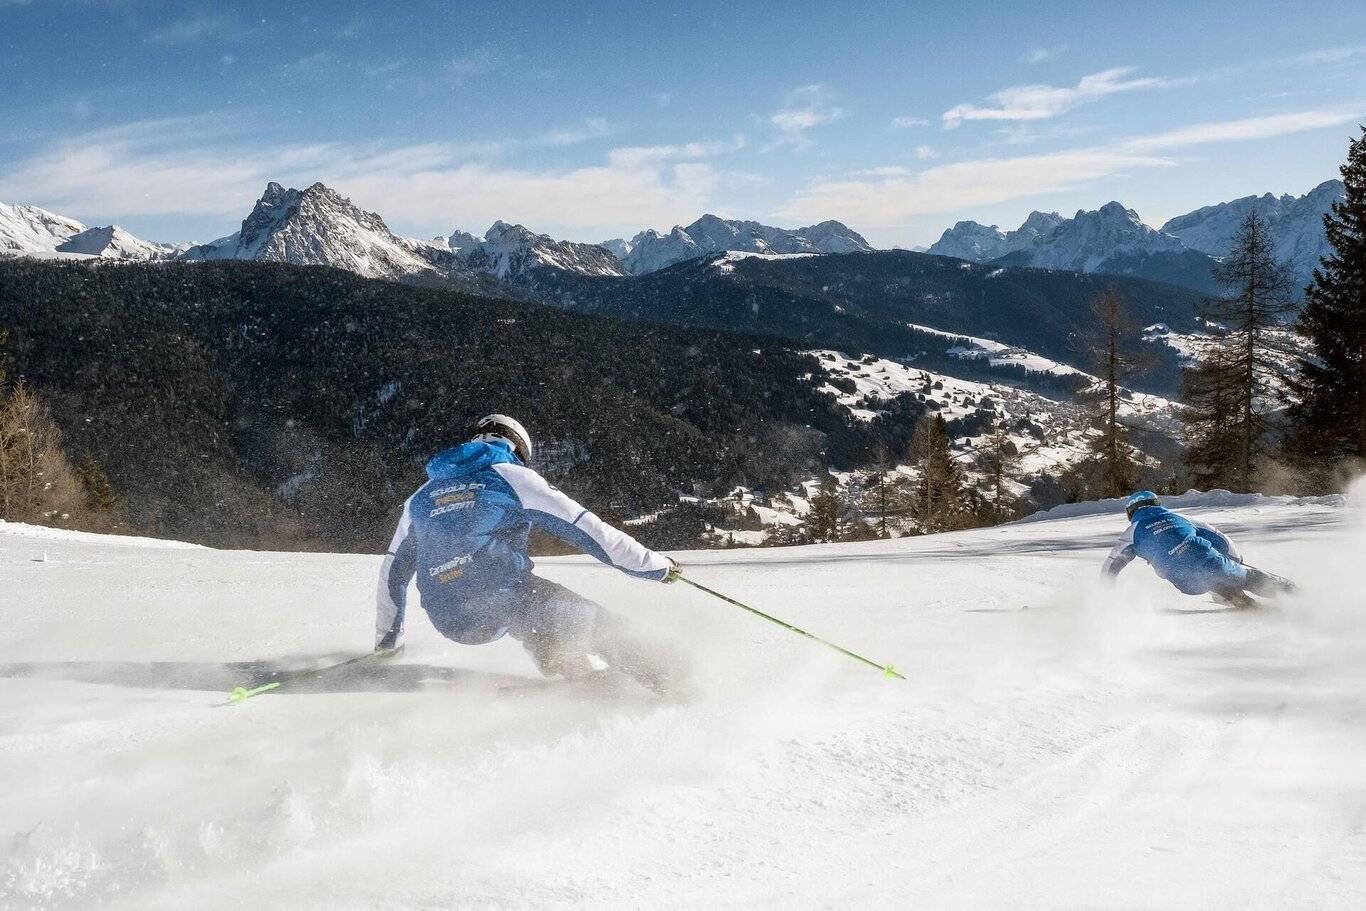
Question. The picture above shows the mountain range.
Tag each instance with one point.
(650, 251)
(1114, 240)
(318, 226)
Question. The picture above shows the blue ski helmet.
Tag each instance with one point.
(1139, 500)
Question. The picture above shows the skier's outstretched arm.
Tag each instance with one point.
(1121, 555)
(391, 600)
(561, 516)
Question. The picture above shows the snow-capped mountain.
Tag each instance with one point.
(650, 251)
(510, 252)
(1296, 224)
(112, 242)
(29, 230)
(1082, 243)
(1110, 240)
(1088, 240)
(319, 227)
(982, 243)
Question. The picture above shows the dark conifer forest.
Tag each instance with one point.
(263, 405)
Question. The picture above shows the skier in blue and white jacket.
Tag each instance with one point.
(1195, 557)
(464, 535)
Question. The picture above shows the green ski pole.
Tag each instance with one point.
(887, 670)
(243, 693)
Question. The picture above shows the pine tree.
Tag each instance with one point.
(1114, 345)
(883, 497)
(1209, 392)
(99, 490)
(1232, 391)
(997, 457)
(823, 523)
(1329, 421)
(941, 500)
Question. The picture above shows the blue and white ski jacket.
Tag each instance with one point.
(1194, 556)
(464, 534)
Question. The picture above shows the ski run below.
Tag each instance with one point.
(1057, 744)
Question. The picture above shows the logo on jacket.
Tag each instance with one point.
(455, 488)
(451, 570)
(450, 507)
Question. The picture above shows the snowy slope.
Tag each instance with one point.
(1002, 354)
(1054, 747)
(31, 231)
(1061, 429)
(113, 242)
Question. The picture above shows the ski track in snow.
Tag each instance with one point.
(1056, 746)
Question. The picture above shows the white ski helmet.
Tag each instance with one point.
(502, 427)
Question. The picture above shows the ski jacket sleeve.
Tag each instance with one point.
(391, 601)
(1121, 555)
(1216, 538)
(549, 509)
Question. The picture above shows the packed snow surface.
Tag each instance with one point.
(1056, 745)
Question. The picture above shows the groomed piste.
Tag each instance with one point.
(1057, 744)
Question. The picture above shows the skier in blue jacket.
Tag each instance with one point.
(464, 535)
(1193, 556)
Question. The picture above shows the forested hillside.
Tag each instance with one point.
(864, 301)
(269, 405)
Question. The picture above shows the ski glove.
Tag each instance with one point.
(675, 571)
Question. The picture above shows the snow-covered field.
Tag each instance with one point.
(1055, 746)
(1066, 425)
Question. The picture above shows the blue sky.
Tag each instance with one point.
(592, 120)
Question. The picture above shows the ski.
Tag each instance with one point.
(241, 694)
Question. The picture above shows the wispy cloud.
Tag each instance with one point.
(382, 69)
(805, 108)
(472, 63)
(1239, 130)
(1040, 102)
(950, 187)
(902, 123)
(592, 128)
(1040, 54)
(891, 199)
(197, 28)
(894, 170)
(197, 166)
(1330, 55)
(925, 153)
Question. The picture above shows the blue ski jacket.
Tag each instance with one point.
(464, 535)
(1192, 555)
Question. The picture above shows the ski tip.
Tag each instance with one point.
(891, 673)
